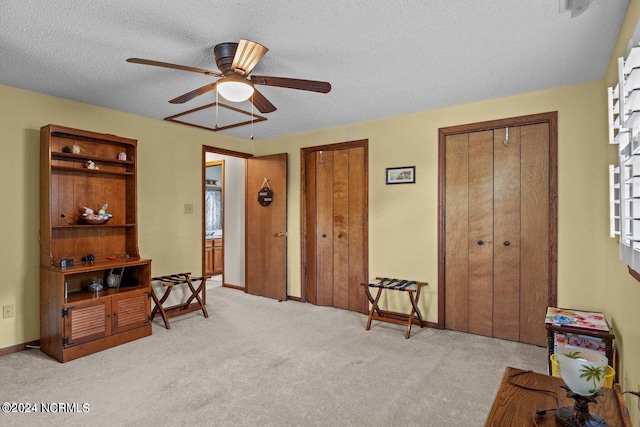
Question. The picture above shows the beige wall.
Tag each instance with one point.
(403, 221)
(623, 292)
(590, 276)
(169, 175)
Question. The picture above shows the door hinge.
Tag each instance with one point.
(65, 311)
(66, 342)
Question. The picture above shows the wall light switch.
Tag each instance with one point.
(7, 311)
(188, 208)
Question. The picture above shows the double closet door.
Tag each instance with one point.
(497, 232)
(335, 261)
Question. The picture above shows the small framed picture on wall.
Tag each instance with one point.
(402, 175)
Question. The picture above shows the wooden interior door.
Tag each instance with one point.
(499, 239)
(336, 226)
(266, 227)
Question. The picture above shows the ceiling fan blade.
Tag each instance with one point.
(310, 85)
(248, 54)
(174, 66)
(196, 92)
(261, 103)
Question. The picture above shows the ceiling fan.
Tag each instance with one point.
(235, 62)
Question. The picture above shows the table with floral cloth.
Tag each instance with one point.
(585, 323)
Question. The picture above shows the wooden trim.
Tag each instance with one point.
(291, 298)
(402, 317)
(240, 288)
(442, 137)
(501, 123)
(336, 146)
(303, 192)
(553, 208)
(19, 347)
(254, 117)
(222, 152)
(634, 273)
(218, 162)
(79, 134)
(552, 119)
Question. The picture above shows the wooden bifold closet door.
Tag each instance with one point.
(497, 232)
(336, 231)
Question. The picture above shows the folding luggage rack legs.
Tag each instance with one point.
(188, 306)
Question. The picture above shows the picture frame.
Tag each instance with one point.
(401, 175)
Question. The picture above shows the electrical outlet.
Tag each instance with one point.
(188, 208)
(7, 311)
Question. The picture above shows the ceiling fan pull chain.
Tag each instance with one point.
(252, 116)
(216, 109)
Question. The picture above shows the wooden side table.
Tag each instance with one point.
(516, 401)
(591, 324)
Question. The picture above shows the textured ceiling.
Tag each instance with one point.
(382, 58)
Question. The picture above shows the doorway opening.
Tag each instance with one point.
(214, 218)
(223, 215)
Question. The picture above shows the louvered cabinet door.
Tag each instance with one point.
(130, 310)
(86, 321)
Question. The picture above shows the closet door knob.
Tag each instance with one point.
(506, 243)
(324, 235)
(481, 242)
(340, 236)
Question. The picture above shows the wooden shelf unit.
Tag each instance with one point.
(74, 321)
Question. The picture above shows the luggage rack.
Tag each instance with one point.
(188, 306)
(411, 287)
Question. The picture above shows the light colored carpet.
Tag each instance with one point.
(256, 361)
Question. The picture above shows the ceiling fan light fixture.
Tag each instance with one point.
(235, 89)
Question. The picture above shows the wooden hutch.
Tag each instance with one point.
(85, 169)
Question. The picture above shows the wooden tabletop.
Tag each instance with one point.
(516, 406)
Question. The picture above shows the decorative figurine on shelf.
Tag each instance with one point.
(74, 149)
(101, 217)
(95, 286)
(88, 212)
(102, 213)
(91, 165)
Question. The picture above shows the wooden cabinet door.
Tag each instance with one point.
(86, 321)
(218, 258)
(130, 310)
(208, 258)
